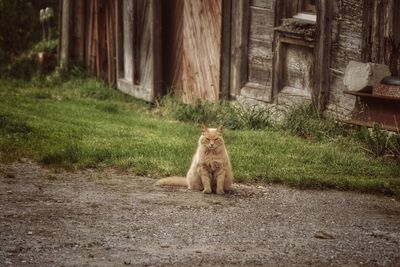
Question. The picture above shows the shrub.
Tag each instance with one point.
(379, 142)
(232, 116)
(305, 121)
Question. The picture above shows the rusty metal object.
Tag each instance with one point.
(374, 108)
(391, 80)
(387, 90)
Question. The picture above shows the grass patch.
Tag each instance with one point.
(80, 122)
(306, 122)
(232, 116)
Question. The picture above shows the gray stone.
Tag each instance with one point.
(359, 75)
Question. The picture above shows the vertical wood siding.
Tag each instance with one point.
(93, 36)
(194, 49)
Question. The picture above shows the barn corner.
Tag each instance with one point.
(263, 52)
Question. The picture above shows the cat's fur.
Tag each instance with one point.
(211, 169)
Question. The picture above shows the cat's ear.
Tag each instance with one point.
(204, 128)
(220, 129)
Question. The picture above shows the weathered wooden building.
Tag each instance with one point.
(275, 52)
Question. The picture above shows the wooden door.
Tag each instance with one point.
(139, 48)
(192, 31)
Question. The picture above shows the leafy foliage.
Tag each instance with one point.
(379, 142)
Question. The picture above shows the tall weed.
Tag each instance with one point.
(379, 142)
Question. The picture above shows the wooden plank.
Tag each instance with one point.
(60, 36)
(128, 22)
(96, 38)
(322, 53)
(347, 39)
(268, 4)
(145, 48)
(113, 61)
(239, 46)
(393, 37)
(225, 49)
(366, 29)
(173, 45)
(65, 30)
(157, 45)
(89, 42)
(284, 9)
(261, 24)
(202, 48)
(119, 40)
(108, 43)
(260, 62)
(376, 32)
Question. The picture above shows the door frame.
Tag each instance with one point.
(134, 87)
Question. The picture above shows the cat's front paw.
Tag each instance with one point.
(220, 191)
(207, 191)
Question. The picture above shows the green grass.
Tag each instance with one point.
(81, 123)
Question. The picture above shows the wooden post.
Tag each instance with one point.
(225, 49)
(393, 28)
(119, 40)
(64, 46)
(239, 46)
(322, 54)
(367, 27)
(96, 38)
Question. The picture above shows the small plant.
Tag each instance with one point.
(305, 121)
(240, 117)
(379, 142)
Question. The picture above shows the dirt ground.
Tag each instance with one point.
(108, 218)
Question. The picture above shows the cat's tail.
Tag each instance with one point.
(173, 180)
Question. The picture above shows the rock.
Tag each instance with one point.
(323, 235)
(358, 75)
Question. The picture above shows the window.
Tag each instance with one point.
(307, 6)
(306, 10)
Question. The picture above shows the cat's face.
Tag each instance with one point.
(211, 138)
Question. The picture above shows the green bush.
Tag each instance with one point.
(379, 142)
(231, 116)
(305, 121)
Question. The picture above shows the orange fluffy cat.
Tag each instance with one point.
(211, 169)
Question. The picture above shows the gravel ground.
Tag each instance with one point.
(109, 218)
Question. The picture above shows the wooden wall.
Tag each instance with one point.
(347, 33)
(346, 45)
(192, 48)
(92, 36)
(362, 32)
(251, 50)
(260, 42)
